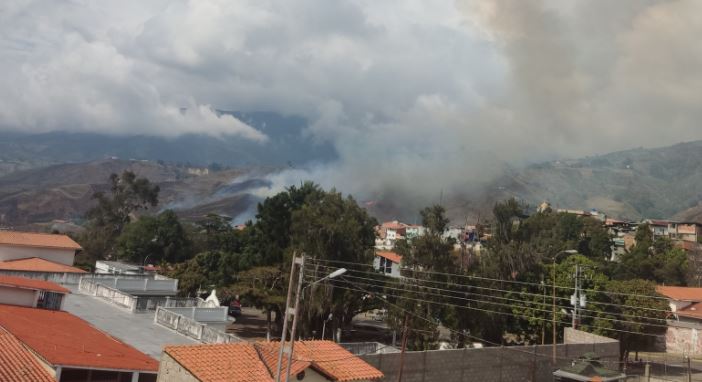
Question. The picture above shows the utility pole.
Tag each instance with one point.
(578, 299)
(553, 307)
(404, 346)
(298, 264)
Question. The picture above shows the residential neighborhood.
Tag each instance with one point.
(350, 191)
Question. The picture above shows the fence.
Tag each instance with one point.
(203, 314)
(191, 327)
(490, 364)
(95, 287)
(358, 348)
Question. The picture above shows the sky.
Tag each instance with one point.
(421, 95)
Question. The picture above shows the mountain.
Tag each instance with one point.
(288, 145)
(64, 192)
(640, 183)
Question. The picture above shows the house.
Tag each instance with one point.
(587, 368)
(74, 350)
(684, 231)
(313, 361)
(38, 268)
(659, 228)
(685, 322)
(388, 262)
(19, 364)
(59, 249)
(31, 293)
(106, 267)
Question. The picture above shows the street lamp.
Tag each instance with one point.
(553, 296)
(324, 326)
(332, 275)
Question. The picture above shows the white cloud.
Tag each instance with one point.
(414, 95)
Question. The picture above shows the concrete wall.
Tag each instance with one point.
(491, 364)
(93, 287)
(190, 327)
(683, 337)
(171, 371)
(17, 296)
(218, 314)
(62, 256)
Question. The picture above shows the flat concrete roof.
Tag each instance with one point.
(136, 329)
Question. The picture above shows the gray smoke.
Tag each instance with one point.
(424, 101)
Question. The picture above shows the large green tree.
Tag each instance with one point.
(154, 238)
(128, 194)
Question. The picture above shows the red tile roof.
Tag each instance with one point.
(268, 351)
(18, 364)
(680, 293)
(23, 282)
(36, 264)
(392, 256)
(692, 311)
(258, 362)
(43, 240)
(336, 362)
(221, 362)
(63, 339)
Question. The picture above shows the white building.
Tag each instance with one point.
(31, 293)
(23, 245)
(388, 263)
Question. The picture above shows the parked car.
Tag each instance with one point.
(235, 308)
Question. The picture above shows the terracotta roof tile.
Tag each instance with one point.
(36, 264)
(680, 293)
(43, 240)
(246, 361)
(63, 339)
(23, 282)
(338, 363)
(17, 364)
(392, 256)
(693, 311)
(268, 351)
(237, 362)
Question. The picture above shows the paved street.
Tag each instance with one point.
(137, 330)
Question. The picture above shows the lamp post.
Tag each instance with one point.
(553, 297)
(301, 262)
(324, 326)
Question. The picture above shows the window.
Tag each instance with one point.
(49, 300)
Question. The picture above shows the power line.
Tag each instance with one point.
(500, 313)
(497, 280)
(482, 339)
(523, 307)
(399, 281)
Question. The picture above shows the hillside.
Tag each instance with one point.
(64, 192)
(651, 183)
(287, 145)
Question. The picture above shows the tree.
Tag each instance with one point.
(427, 259)
(128, 195)
(634, 315)
(160, 238)
(331, 227)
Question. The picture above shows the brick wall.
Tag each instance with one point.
(498, 364)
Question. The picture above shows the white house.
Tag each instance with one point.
(23, 245)
(31, 293)
(388, 263)
(684, 333)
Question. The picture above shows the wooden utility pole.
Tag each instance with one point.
(405, 329)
